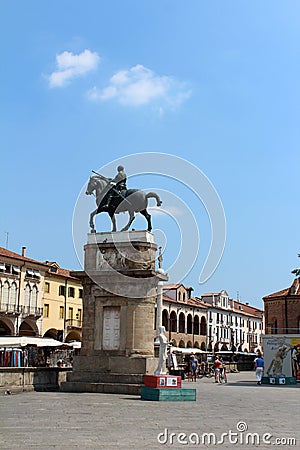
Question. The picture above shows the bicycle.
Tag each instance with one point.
(205, 372)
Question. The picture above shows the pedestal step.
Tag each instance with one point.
(104, 377)
(168, 395)
(107, 388)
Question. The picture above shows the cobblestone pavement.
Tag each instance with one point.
(45, 420)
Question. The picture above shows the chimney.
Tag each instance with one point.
(23, 251)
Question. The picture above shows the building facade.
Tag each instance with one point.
(62, 314)
(282, 310)
(232, 325)
(21, 294)
(38, 298)
(184, 317)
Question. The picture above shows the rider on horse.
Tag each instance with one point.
(117, 190)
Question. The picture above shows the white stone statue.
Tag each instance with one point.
(163, 344)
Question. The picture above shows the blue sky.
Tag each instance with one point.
(215, 83)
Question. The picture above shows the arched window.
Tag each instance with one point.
(189, 324)
(13, 295)
(274, 327)
(183, 297)
(27, 296)
(165, 319)
(196, 325)
(173, 321)
(34, 295)
(181, 344)
(0, 293)
(203, 326)
(189, 344)
(5, 293)
(181, 323)
(179, 296)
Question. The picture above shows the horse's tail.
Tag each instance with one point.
(154, 195)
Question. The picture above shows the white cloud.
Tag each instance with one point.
(70, 66)
(141, 86)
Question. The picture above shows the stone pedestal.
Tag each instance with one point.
(120, 288)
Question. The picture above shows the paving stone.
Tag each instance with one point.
(46, 420)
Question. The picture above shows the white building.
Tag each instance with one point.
(232, 325)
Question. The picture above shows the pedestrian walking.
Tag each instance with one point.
(259, 367)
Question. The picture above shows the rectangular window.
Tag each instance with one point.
(80, 293)
(46, 310)
(61, 312)
(79, 315)
(71, 292)
(62, 290)
(70, 315)
(16, 270)
(47, 288)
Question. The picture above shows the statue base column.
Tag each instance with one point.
(120, 289)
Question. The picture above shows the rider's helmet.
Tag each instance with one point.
(120, 168)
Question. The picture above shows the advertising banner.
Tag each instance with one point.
(281, 355)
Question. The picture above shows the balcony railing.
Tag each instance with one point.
(9, 308)
(32, 311)
(74, 323)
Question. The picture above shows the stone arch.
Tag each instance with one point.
(216, 347)
(181, 323)
(173, 321)
(189, 324)
(196, 325)
(203, 326)
(189, 344)
(203, 346)
(74, 335)
(51, 333)
(174, 342)
(165, 319)
(28, 328)
(6, 327)
(224, 347)
(196, 344)
(181, 344)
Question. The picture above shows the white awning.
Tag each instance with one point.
(2, 266)
(22, 341)
(36, 273)
(187, 350)
(16, 269)
(29, 272)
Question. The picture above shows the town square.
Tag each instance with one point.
(149, 254)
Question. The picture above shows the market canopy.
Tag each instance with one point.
(187, 350)
(23, 341)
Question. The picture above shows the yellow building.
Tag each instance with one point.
(62, 314)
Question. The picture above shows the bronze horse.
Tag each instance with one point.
(130, 200)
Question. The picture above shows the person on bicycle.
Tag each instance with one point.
(217, 367)
(223, 373)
